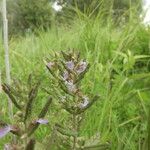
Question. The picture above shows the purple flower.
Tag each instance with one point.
(50, 65)
(84, 103)
(71, 87)
(65, 75)
(4, 131)
(70, 65)
(81, 67)
(42, 121)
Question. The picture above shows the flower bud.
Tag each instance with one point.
(22, 104)
(65, 75)
(19, 114)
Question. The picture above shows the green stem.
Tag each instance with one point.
(148, 128)
(26, 138)
(75, 128)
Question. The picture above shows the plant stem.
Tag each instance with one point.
(75, 128)
(0, 82)
(5, 34)
(26, 138)
(148, 128)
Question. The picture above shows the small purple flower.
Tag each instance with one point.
(50, 64)
(70, 65)
(84, 103)
(4, 131)
(42, 121)
(71, 87)
(81, 67)
(65, 75)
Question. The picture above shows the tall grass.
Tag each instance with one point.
(115, 74)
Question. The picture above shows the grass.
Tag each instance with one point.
(120, 115)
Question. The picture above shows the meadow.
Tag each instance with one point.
(118, 53)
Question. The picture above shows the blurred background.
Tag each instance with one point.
(27, 16)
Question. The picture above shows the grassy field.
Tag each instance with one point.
(119, 73)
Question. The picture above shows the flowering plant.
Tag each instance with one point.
(68, 73)
(23, 126)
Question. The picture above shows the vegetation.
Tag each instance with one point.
(26, 16)
(118, 53)
(68, 74)
(23, 125)
(90, 6)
